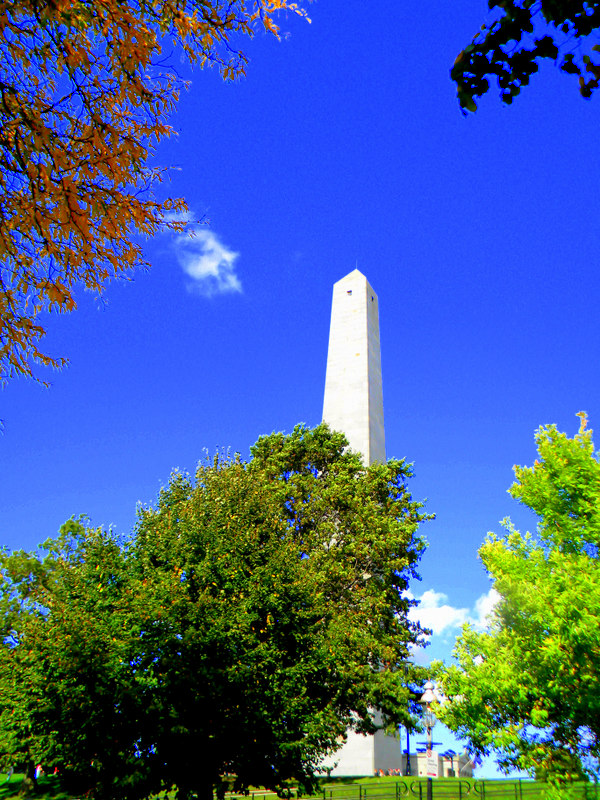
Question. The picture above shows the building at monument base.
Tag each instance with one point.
(364, 756)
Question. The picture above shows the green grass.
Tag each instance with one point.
(370, 789)
(395, 788)
(451, 789)
(48, 788)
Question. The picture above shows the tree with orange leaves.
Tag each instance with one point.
(84, 98)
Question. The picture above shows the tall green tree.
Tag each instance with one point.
(256, 614)
(517, 36)
(528, 689)
(69, 694)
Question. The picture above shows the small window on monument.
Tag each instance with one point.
(371, 298)
(349, 291)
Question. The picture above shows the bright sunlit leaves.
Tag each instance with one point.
(527, 689)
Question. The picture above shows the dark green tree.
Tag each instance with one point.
(517, 36)
(528, 689)
(257, 613)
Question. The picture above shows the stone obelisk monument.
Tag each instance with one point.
(353, 390)
(354, 404)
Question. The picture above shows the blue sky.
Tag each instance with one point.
(344, 146)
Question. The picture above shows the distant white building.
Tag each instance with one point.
(448, 764)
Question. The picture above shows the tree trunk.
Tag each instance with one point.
(29, 782)
(205, 792)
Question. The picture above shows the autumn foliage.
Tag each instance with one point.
(84, 97)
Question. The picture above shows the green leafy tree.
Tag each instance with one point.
(257, 613)
(70, 695)
(528, 689)
(517, 36)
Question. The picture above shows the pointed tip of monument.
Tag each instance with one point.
(356, 273)
(356, 278)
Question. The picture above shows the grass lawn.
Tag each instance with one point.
(395, 788)
(48, 788)
(386, 788)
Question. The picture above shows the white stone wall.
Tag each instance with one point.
(356, 758)
(387, 752)
(414, 764)
(353, 400)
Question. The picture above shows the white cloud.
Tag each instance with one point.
(436, 613)
(207, 261)
(484, 607)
